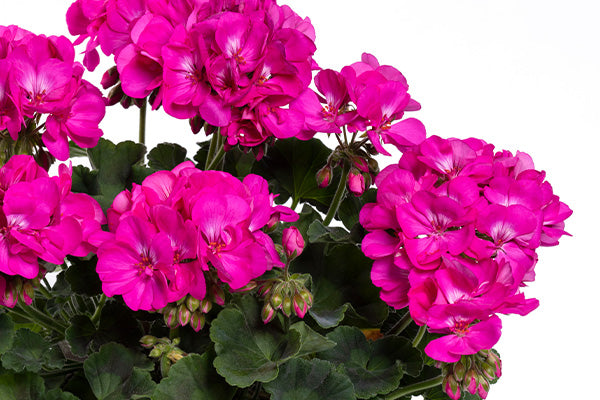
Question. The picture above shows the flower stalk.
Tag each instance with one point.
(415, 388)
(339, 195)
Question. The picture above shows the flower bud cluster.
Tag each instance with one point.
(288, 296)
(472, 374)
(236, 65)
(165, 350)
(39, 78)
(182, 228)
(40, 218)
(454, 234)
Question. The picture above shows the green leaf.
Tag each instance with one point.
(166, 156)
(82, 276)
(57, 394)
(311, 341)
(310, 380)
(76, 151)
(293, 164)
(319, 233)
(248, 350)
(342, 286)
(193, 377)
(7, 332)
(80, 334)
(373, 367)
(114, 164)
(350, 208)
(110, 373)
(26, 386)
(84, 181)
(29, 352)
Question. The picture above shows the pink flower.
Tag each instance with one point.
(133, 265)
(463, 338)
(293, 242)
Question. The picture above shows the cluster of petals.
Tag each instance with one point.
(40, 218)
(236, 64)
(175, 226)
(39, 77)
(366, 97)
(454, 234)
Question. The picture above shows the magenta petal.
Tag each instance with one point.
(379, 244)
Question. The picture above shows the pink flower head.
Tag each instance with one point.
(464, 337)
(453, 235)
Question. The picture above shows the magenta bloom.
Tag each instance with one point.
(463, 338)
(454, 234)
(40, 79)
(192, 231)
(133, 265)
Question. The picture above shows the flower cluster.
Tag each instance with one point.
(234, 64)
(180, 224)
(454, 234)
(364, 96)
(39, 77)
(40, 218)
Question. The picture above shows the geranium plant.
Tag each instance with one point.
(261, 264)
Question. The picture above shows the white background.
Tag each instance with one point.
(522, 74)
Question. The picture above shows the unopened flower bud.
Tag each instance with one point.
(268, 313)
(250, 286)
(192, 303)
(293, 242)
(488, 371)
(360, 164)
(324, 176)
(197, 321)
(110, 77)
(170, 317)
(196, 123)
(356, 182)
(483, 388)
(155, 352)
(307, 296)
(27, 293)
(265, 288)
(495, 361)
(286, 306)
(471, 381)
(276, 300)
(459, 370)
(451, 387)
(218, 295)
(115, 95)
(300, 306)
(126, 102)
(205, 306)
(11, 296)
(183, 315)
(148, 341)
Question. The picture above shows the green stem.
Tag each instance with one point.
(401, 325)
(44, 292)
(339, 195)
(415, 388)
(217, 159)
(419, 336)
(45, 282)
(39, 318)
(216, 143)
(98, 312)
(142, 133)
(295, 203)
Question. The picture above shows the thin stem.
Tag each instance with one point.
(401, 325)
(339, 195)
(345, 135)
(44, 292)
(142, 133)
(419, 336)
(216, 144)
(217, 159)
(339, 141)
(98, 312)
(415, 388)
(45, 282)
(39, 318)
